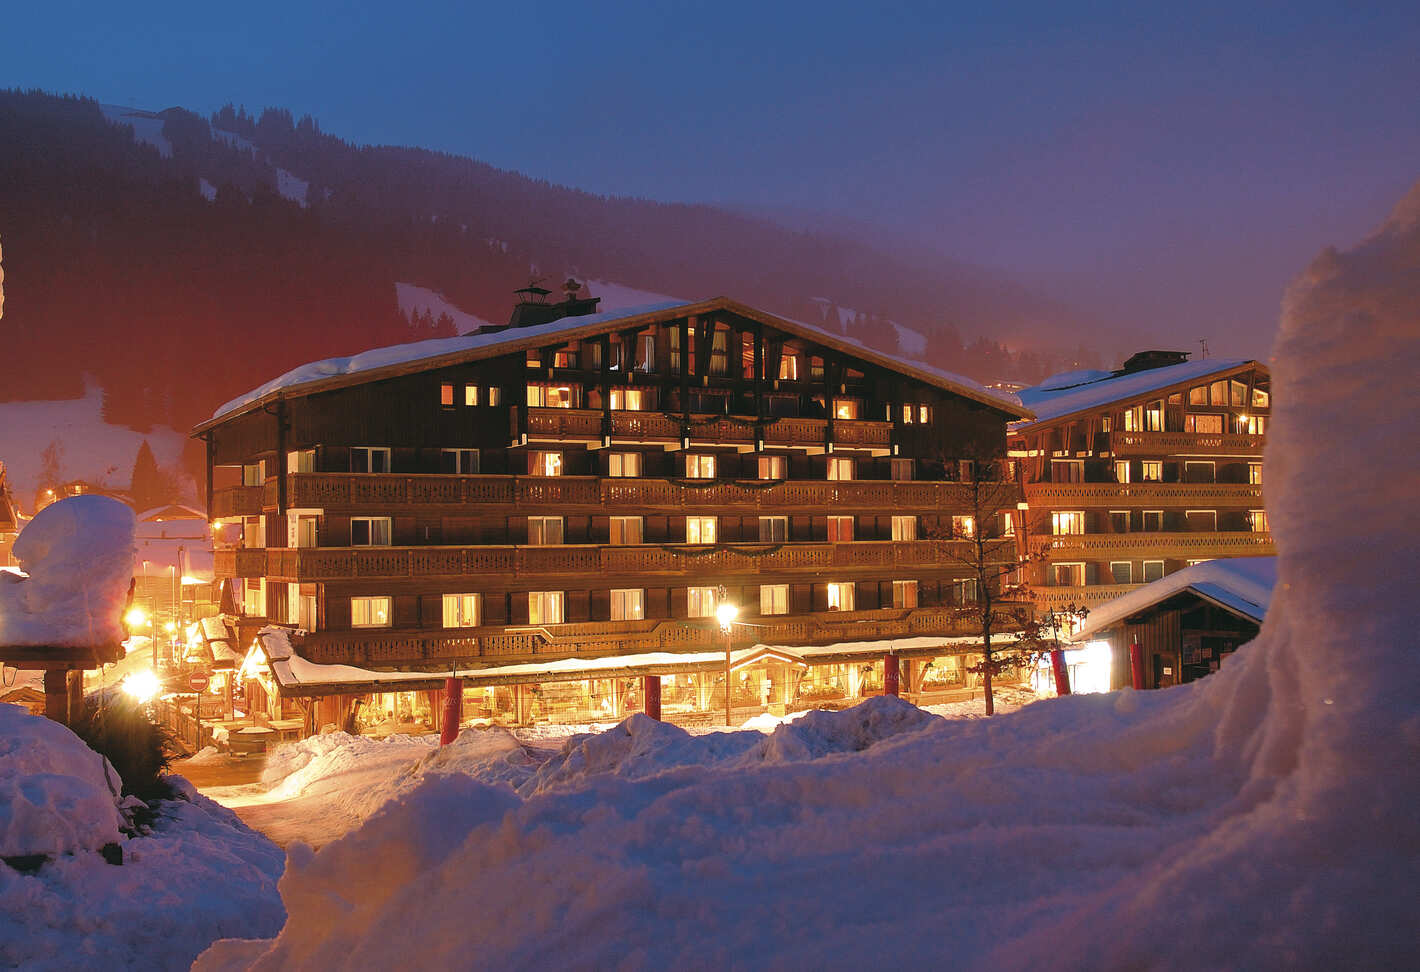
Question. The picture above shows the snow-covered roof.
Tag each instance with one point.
(1243, 585)
(293, 672)
(440, 352)
(1079, 391)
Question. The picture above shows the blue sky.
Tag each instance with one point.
(1171, 164)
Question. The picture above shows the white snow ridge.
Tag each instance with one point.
(1263, 817)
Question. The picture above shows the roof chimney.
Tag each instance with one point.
(1149, 360)
(532, 306)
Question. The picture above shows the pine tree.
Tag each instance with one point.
(149, 487)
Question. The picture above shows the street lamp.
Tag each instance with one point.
(726, 614)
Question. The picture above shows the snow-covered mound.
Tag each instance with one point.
(198, 876)
(1267, 811)
(57, 796)
(78, 554)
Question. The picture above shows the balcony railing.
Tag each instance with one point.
(495, 644)
(1090, 596)
(585, 425)
(514, 562)
(1154, 495)
(381, 491)
(239, 562)
(1184, 444)
(237, 501)
(1185, 546)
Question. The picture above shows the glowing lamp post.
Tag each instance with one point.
(136, 619)
(726, 613)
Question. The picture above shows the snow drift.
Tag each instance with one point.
(1264, 816)
(198, 875)
(78, 554)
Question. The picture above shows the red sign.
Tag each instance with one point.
(197, 681)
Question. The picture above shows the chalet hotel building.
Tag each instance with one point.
(555, 508)
(1134, 474)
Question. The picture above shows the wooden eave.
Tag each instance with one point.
(1178, 599)
(1131, 400)
(521, 343)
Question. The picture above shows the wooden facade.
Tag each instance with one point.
(622, 464)
(1142, 483)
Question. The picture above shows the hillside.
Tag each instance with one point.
(180, 260)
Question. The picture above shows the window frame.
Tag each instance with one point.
(368, 602)
(461, 604)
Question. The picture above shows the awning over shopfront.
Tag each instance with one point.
(294, 676)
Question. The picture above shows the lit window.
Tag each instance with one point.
(924, 414)
(253, 531)
(1237, 393)
(306, 612)
(1134, 419)
(846, 408)
(1257, 519)
(1198, 395)
(1066, 523)
(840, 596)
(301, 461)
(720, 351)
(1252, 425)
(369, 459)
(552, 396)
(1218, 393)
(902, 470)
(1067, 470)
(458, 461)
(909, 414)
(789, 367)
(964, 527)
(495, 395)
(699, 466)
(254, 597)
(1008, 524)
(369, 612)
(840, 529)
(470, 394)
(700, 602)
(840, 469)
(625, 529)
(1153, 570)
(904, 528)
(1260, 398)
(1203, 424)
(254, 473)
(630, 399)
(545, 607)
(623, 464)
(1121, 470)
(773, 467)
(774, 599)
(904, 594)
(544, 530)
(628, 604)
(305, 533)
(461, 610)
(544, 464)
(564, 359)
(699, 529)
(446, 394)
(1254, 473)
(370, 531)
(1154, 417)
(773, 529)
(1151, 471)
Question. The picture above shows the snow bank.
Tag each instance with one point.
(55, 796)
(78, 553)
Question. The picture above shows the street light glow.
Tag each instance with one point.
(141, 686)
(136, 618)
(726, 613)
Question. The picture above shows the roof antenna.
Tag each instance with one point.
(1204, 343)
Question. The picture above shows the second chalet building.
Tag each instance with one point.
(555, 508)
(1133, 474)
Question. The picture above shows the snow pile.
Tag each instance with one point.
(1269, 807)
(78, 553)
(199, 875)
(57, 796)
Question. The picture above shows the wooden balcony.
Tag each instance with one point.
(1153, 546)
(1090, 596)
(1185, 444)
(496, 644)
(515, 563)
(239, 562)
(1154, 496)
(237, 501)
(585, 425)
(383, 492)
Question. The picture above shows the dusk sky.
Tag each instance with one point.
(1172, 167)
